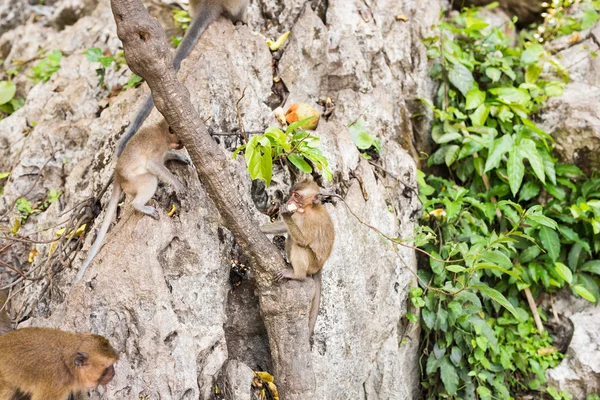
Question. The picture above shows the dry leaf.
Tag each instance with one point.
(172, 210)
(401, 17)
(33, 254)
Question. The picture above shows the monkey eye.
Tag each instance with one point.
(171, 130)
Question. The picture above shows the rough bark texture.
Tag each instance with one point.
(159, 289)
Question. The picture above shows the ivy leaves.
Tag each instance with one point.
(294, 145)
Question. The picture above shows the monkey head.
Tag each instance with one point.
(303, 195)
(174, 142)
(94, 362)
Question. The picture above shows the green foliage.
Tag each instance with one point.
(295, 145)
(487, 233)
(44, 69)
(97, 55)
(561, 19)
(8, 102)
(362, 138)
(556, 395)
(182, 20)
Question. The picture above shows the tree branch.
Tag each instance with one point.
(284, 307)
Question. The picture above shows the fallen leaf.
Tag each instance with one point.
(33, 254)
(275, 45)
(172, 210)
(401, 17)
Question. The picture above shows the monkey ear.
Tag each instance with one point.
(81, 359)
(317, 199)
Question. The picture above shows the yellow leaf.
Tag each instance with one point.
(575, 36)
(273, 390)
(264, 376)
(274, 46)
(401, 17)
(16, 226)
(33, 254)
(172, 210)
(546, 351)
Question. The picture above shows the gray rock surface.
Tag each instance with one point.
(159, 290)
(579, 373)
(573, 119)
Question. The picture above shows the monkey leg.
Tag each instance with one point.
(164, 175)
(300, 259)
(146, 187)
(174, 156)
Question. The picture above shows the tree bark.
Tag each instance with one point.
(284, 308)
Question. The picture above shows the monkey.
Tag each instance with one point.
(137, 173)
(310, 238)
(203, 13)
(5, 323)
(50, 364)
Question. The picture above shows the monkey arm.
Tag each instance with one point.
(174, 156)
(299, 238)
(275, 228)
(164, 174)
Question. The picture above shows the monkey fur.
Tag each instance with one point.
(137, 173)
(203, 13)
(50, 364)
(310, 238)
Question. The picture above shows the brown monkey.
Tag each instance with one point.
(49, 364)
(203, 13)
(310, 238)
(5, 323)
(137, 173)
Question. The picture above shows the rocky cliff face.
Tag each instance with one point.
(159, 290)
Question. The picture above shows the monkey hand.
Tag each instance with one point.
(153, 212)
(284, 274)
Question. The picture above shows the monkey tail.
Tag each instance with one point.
(316, 303)
(207, 14)
(140, 117)
(108, 217)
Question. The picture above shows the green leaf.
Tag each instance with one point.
(7, 91)
(500, 147)
(591, 266)
(451, 154)
(497, 297)
(583, 292)
(564, 272)
(515, 169)
(299, 162)
(299, 124)
(455, 268)
(512, 95)
(461, 78)
(528, 191)
(532, 54)
(480, 115)
(493, 73)
(475, 98)
(532, 73)
(550, 242)
(528, 150)
(449, 376)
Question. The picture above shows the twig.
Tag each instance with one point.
(532, 306)
(239, 116)
(15, 269)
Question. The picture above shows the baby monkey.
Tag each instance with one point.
(309, 241)
(137, 173)
(49, 364)
(203, 13)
